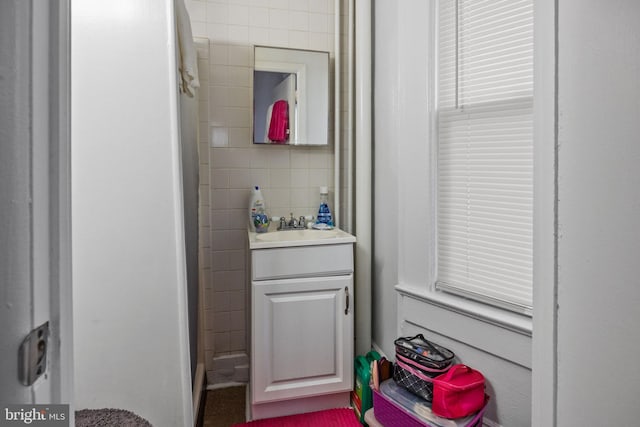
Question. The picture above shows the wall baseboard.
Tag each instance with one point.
(229, 368)
(225, 385)
(377, 348)
(489, 423)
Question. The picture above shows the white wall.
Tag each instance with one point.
(598, 380)
(403, 223)
(130, 326)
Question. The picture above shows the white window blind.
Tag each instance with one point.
(485, 150)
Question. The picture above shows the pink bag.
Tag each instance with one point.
(279, 125)
(416, 378)
(458, 393)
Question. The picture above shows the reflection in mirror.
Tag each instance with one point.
(275, 102)
(290, 96)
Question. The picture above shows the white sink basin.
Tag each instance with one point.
(283, 239)
(287, 236)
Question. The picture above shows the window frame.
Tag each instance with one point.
(515, 315)
(412, 257)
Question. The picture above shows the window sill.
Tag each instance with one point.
(496, 331)
(508, 320)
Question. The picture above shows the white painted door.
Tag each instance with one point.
(34, 208)
(286, 90)
(302, 336)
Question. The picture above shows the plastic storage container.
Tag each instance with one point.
(396, 407)
(371, 420)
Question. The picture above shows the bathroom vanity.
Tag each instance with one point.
(301, 321)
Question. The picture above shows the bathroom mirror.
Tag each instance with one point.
(290, 96)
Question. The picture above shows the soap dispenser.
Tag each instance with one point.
(324, 213)
(258, 219)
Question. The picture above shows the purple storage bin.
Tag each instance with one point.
(393, 408)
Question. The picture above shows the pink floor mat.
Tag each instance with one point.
(342, 417)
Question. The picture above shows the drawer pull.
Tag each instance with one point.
(346, 292)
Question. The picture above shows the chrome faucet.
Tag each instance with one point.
(292, 223)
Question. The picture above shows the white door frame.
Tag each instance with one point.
(544, 344)
(60, 200)
(35, 262)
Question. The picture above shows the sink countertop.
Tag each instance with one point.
(309, 237)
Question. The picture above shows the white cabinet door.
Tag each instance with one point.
(302, 337)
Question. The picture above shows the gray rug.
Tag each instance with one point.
(109, 418)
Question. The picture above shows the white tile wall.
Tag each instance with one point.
(231, 164)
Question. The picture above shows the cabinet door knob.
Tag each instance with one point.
(346, 293)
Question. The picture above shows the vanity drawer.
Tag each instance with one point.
(302, 261)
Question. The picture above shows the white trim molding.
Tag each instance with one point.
(363, 175)
(470, 322)
(545, 256)
(496, 344)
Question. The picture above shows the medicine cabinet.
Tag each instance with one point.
(290, 96)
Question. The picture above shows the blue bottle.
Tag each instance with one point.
(324, 213)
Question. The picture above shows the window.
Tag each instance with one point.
(485, 151)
